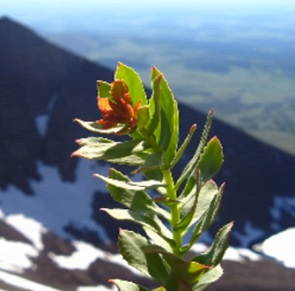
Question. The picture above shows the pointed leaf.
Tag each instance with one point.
(136, 186)
(171, 259)
(95, 127)
(183, 146)
(129, 152)
(184, 275)
(127, 286)
(207, 193)
(147, 221)
(211, 159)
(157, 238)
(215, 253)
(167, 131)
(154, 106)
(191, 166)
(138, 201)
(131, 247)
(207, 278)
(133, 82)
(104, 89)
(206, 220)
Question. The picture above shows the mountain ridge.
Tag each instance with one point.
(259, 177)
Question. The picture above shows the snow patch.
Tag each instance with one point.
(14, 256)
(29, 227)
(86, 254)
(281, 247)
(96, 288)
(231, 254)
(22, 283)
(58, 203)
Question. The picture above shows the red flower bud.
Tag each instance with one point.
(118, 109)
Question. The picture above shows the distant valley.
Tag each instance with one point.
(248, 79)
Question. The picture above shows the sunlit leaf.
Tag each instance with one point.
(131, 246)
(127, 286)
(133, 82)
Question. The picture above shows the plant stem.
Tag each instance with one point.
(174, 208)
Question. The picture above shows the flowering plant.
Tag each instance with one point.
(168, 208)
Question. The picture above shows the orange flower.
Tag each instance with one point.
(118, 109)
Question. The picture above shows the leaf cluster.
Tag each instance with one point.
(168, 208)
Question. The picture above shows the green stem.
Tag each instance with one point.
(174, 208)
(150, 139)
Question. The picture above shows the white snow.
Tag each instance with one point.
(58, 203)
(96, 288)
(14, 256)
(231, 254)
(85, 255)
(17, 281)
(81, 258)
(281, 247)
(240, 255)
(29, 227)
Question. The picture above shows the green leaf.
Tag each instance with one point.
(167, 130)
(143, 116)
(215, 253)
(183, 146)
(154, 105)
(206, 194)
(211, 159)
(171, 259)
(205, 221)
(136, 186)
(127, 286)
(158, 239)
(129, 152)
(207, 278)
(131, 246)
(95, 127)
(186, 219)
(147, 221)
(133, 82)
(138, 201)
(184, 275)
(104, 89)
(191, 166)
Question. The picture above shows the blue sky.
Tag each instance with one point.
(73, 12)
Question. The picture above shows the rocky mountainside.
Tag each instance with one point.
(35, 259)
(43, 88)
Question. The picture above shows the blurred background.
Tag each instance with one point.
(235, 56)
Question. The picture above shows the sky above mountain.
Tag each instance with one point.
(55, 15)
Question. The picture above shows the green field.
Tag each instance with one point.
(250, 83)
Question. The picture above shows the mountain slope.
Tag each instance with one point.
(43, 88)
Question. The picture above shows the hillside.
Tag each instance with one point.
(44, 87)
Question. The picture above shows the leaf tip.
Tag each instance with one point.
(211, 112)
(193, 128)
(74, 154)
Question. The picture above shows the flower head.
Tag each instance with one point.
(118, 109)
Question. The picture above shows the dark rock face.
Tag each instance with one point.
(37, 78)
(40, 81)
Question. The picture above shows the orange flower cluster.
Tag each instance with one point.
(118, 109)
